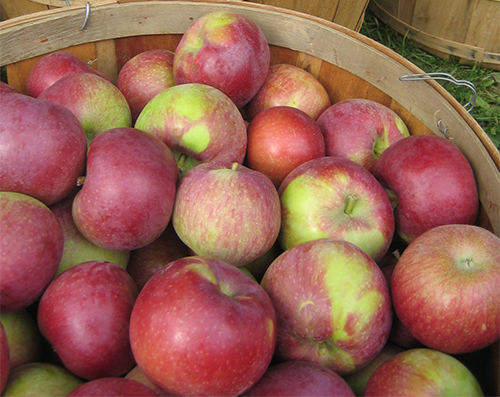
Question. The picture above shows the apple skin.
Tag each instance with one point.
(280, 139)
(290, 85)
(202, 327)
(333, 197)
(113, 386)
(300, 378)
(7, 89)
(332, 305)
(227, 211)
(42, 148)
(225, 50)
(84, 314)
(422, 372)
(96, 102)
(41, 379)
(445, 288)
(128, 193)
(30, 249)
(198, 123)
(144, 76)
(360, 130)
(4, 358)
(138, 375)
(53, 67)
(433, 182)
(25, 340)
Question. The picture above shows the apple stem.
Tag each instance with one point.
(80, 180)
(378, 151)
(351, 201)
(180, 163)
(234, 166)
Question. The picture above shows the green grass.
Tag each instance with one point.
(487, 82)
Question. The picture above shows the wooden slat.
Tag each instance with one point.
(15, 8)
(484, 28)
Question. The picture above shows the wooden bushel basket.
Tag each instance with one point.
(346, 62)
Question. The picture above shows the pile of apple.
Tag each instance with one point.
(212, 225)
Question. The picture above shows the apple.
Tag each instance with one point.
(84, 314)
(4, 358)
(225, 50)
(360, 130)
(198, 123)
(145, 261)
(333, 197)
(144, 76)
(77, 248)
(358, 380)
(445, 288)
(332, 305)
(432, 181)
(290, 85)
(7, 89)
(300, 378)
(96, 102)
(54, 66)
(128, 193)
(258, 267)
(25, 340)
(422, 372)
(113, 386)
(200, 326)
(280, 139)
(227, 211)
(30, 249)
(42, 148)
(138, 375)
(41, 379)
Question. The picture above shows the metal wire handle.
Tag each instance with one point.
(87, 13)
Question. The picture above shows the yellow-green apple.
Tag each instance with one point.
(41, 379)
(138, 375)
(333, 197)
(332, 304)
(445, 288)
(53, 67)
(4, 358)
(145, 261)
(77, 248)
(42, 148)
(144, 76)
(30, 249)
(198, 123)
(360, 130)
(300, 378)
(96, 102)
(227, 211)
(358, 380)
(280, 139)
(432, 182)
(200, 326)
(112, 386)
(25, 340)
(84, 314)
(225, 50)
(128, 193)
(290, 85)
(422, 372)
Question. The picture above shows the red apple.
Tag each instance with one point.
(7, 89)
(4, 358)
(333, 197)
(433, 183)
(42, 148)
(145, 75)
(445, 288)
(300, 378)
(84, 314)
(280, 139)
(30, 249)
(202, 327)
(225, 50)
(138, 375)
(227, 211)
(128, 194)
(360, 130)
(53, 67)
(112, 386)
(290, 85)
(198, 123)
(332, 305)
(422, 372)
(96, 102)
